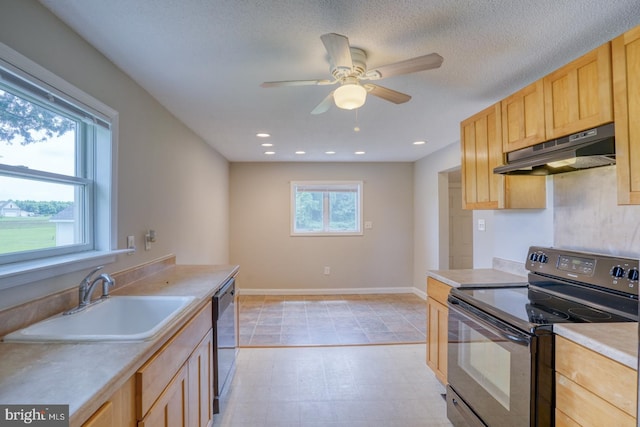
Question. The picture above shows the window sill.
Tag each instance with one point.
(20, 273)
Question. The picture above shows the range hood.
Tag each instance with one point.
(588, 149)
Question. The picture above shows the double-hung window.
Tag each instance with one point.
(56, 183)
(326, 208)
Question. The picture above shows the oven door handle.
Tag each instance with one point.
(487, 322)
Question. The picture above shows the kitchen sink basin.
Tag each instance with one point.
(118, 318)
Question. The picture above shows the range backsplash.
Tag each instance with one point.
(587, 216)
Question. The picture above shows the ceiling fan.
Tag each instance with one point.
(348, 66)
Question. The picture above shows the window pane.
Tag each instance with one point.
(46, 215)
(309, 211)
(343, 211)
(326, 208)
(35, 137)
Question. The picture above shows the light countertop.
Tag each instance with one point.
(617, 341)
(84, 375)
(476, 277)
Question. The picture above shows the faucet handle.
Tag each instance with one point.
(94, 271)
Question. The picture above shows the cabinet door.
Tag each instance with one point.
(118, 410)
(626, 84)
(578, 96)
(481, 149)
(437, 325)
(171, 408)
(103, 417)
(200, 384)
(523, 118)
(481, 152)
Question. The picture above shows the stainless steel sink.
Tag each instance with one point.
(118, 318)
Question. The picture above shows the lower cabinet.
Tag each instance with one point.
(437, 327)
(591, 389)
(118, 410)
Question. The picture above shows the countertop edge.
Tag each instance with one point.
(487, 277)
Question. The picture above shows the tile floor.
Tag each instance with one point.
(268, 321)
(344, 386)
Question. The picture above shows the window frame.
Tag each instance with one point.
(102, 246)
(326, 212)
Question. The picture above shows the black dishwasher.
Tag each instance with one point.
(224, 339)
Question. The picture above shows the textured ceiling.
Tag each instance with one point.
(205, 59)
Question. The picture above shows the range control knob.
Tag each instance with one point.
(617, 271)
(533, 257)
(543, 258)
(633, 274)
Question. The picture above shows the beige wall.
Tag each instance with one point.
(169, 179)
(270, 259)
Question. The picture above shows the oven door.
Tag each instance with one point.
(489, 368)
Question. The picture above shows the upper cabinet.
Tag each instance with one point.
(578, 96)
(573, 98)
(523, 118)
(626, 86)
(481, 147)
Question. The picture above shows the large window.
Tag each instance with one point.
(326, 208)
(56, 183)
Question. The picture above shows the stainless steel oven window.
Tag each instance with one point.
(488, 363)
(489, 367)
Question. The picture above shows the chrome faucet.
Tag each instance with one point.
(86, 287)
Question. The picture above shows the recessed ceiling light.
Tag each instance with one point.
(329, 152)
(300, 152)
(267, 144)
(269, 153)
(263, 135)
(359, 152)
(419, 142)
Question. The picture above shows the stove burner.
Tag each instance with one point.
(588, 313)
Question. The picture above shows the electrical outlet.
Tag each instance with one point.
(327, 271)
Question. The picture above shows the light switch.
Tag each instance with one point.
(481, 225)
(368, 225)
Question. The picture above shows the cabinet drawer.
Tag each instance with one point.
(604, 377)
(587, 409)
(155, 374)
(438, 290)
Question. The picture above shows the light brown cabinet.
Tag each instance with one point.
(626, 85)
(591, 389)
(171, 408)
(523, 118)
(481, 147)
(437, 327)
(201, 384)
(118, 410)
(573, 98)
(579, 96)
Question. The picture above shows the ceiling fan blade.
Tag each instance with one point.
(337, 47)
(324, 105)
(421, 63)
(387, 94)
(298, 83)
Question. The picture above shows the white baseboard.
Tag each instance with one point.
(333, 291)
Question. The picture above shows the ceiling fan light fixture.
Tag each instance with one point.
(350, 96)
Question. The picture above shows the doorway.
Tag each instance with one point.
(456, 232)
